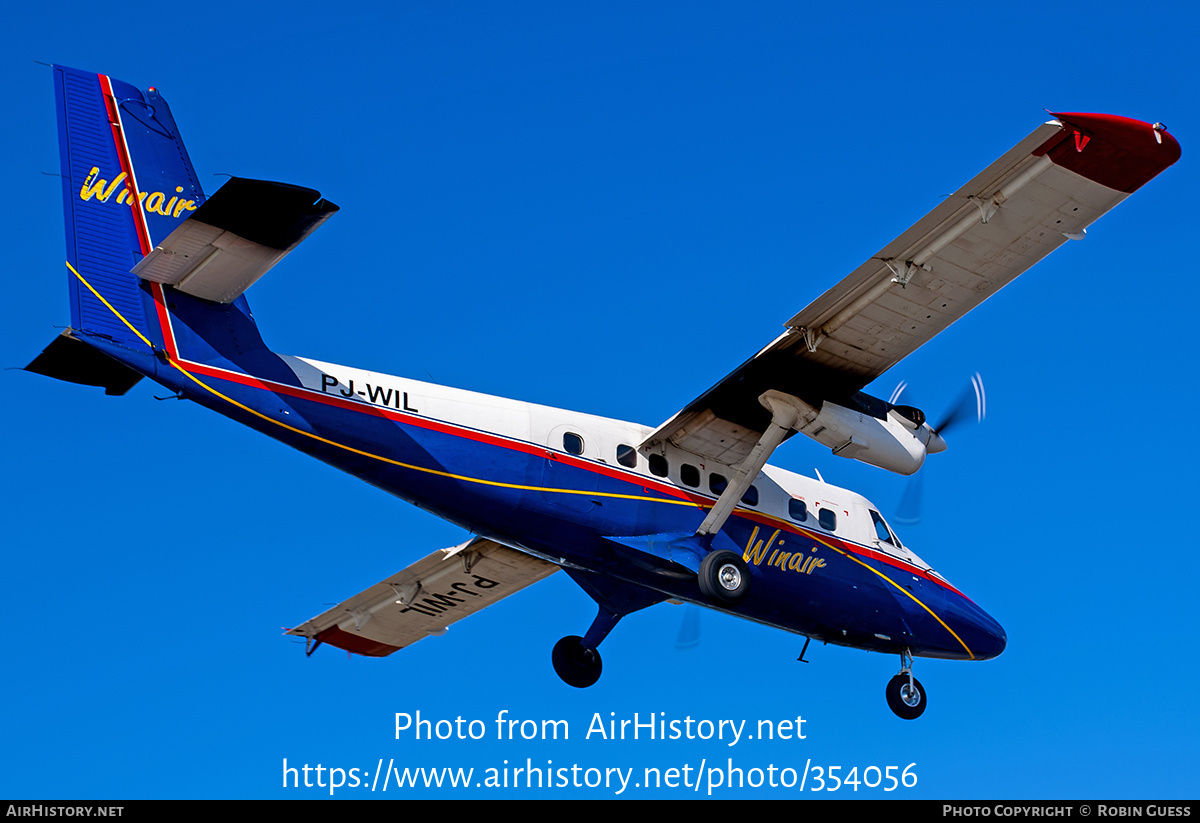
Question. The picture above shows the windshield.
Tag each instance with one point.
(882, 531)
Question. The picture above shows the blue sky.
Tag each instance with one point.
(605, 209)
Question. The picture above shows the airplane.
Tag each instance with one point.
(689, 511)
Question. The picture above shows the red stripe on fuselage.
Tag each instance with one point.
(452, 429)
(488, 438)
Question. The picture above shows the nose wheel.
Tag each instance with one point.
(905, 694)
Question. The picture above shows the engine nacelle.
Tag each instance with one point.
(898, 442)
(912, 417)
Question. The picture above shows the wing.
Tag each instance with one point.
(1049, 188)
(425, 598)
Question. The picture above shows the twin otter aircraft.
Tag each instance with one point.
(688, 511)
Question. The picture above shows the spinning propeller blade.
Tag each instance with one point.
(689, 628)
(963, 406)
(908, 510)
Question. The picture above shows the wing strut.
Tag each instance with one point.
(787, 413)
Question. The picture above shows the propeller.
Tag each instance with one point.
(689, 628)
(962, 408)
(908, 511)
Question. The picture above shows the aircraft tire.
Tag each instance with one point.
(724, 578)
(577, 666)
(907, 704)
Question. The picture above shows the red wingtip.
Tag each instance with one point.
(1118, 152)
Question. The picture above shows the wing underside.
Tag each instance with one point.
(425, 598)
(1047, 189)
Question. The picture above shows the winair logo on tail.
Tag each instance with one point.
(154, 202)
(798, 561)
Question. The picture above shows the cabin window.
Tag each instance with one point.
(690, 475)
(572, 443)
(627, 456)
(750, 498)
(717, 484)
(828, 519)
(658, 465)
(797, 510)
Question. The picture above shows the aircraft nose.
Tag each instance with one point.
(995, 640)
(988, 637)
(980, 634)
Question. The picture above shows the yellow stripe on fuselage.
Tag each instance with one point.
(899, 588)
(494, 483)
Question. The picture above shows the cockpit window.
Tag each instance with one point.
(881, 529)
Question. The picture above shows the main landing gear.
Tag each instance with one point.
(724, 578)
(577, 659)
(905, 694)
(575, 663)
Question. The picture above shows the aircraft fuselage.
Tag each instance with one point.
(572, 488)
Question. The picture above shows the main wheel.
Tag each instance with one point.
(906, 697)
(577, 665)
(724, 578)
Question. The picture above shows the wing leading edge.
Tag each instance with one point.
(1047, 189)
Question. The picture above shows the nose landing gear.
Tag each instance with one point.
(905, 694)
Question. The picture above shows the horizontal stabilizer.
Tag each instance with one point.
(234, 238)
(76, 362)
(426, 598)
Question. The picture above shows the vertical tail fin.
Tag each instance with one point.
(155, 264)
(127, 183)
